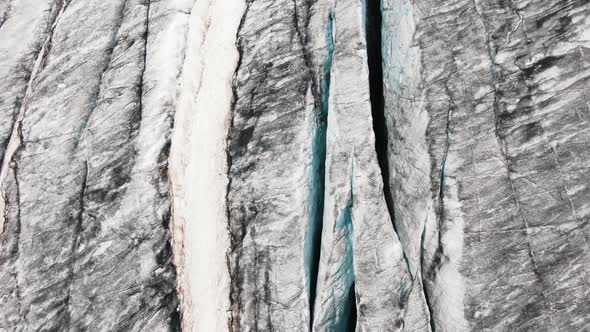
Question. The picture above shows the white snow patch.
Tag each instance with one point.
(198, 169)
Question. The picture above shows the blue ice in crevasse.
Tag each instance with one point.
(317, 185)
(345, 312)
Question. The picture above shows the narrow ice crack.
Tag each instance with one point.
(427, 298)
(303, 40)
(317, 186)
(16, 251)
(76, 240)
(111, 52)
(232, 261)
(520, 21)
(504, 153)
(141, 87)
(566, 190)
(440, 215)
(345, 313)
(351, 298)
(443, 163)
(141, 91)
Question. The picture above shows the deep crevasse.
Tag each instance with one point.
(318, 176)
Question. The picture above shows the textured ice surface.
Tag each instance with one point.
(487, 108)
(291, 165)
(85, 242)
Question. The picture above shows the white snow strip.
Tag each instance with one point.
(198, 165)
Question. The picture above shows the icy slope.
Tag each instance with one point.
(290, 165)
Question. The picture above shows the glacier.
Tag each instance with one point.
(294, 165)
